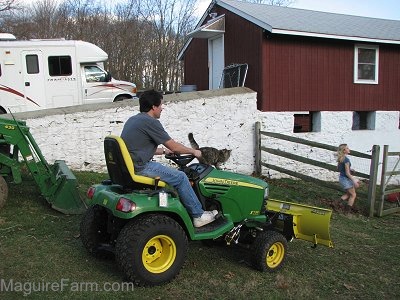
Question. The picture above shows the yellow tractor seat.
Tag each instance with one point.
(120, 165)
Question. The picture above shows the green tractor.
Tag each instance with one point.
(141, 221)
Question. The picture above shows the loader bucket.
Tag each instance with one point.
(309, 223)
(65, 197)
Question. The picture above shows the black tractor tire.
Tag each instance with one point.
(121, 98)
(269, 251)
(151, 250)
(93, 232)
(3, 191)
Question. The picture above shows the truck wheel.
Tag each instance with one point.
(121, 98)
(3, 191)
(269, 251)
(93, 232)
(151, 250)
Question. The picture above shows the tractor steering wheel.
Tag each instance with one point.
(180, 160)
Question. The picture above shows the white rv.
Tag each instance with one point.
(39, 74)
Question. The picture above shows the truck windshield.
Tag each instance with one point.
(94, 74)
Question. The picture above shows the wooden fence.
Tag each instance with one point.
(386, 189)
(373, 157)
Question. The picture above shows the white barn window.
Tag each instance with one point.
(366, 64)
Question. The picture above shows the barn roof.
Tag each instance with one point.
(286, 20)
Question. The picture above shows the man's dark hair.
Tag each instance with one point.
(148, 99)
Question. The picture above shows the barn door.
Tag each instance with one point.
(216, 61)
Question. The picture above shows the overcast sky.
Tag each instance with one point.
(385, 9)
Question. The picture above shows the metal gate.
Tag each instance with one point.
(389, 201)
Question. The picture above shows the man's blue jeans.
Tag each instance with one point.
(178, 180)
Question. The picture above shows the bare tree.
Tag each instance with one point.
(6, 5)
(142, 37)
(169, 20)
(126, 43)
(45, 19)
(7, 8)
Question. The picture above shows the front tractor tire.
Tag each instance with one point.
(93, 232)
(151, 250)
(269, 251)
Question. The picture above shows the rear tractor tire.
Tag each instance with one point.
(3, 192)
(93, 232)
(269, 251)
(151, 250)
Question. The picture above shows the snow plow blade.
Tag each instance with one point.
(310, 223)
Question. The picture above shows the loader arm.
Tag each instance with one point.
(56, 182)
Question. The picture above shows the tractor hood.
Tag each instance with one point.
(241, 196)
(225, 178)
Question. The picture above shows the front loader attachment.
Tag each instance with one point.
(309, 223)
(64, 196)
(56, 182)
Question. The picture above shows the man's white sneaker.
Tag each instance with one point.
(215, 212)
(212, 212)
(206, 218)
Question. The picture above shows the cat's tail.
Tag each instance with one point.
(192, 141)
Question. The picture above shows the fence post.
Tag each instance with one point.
(257, 129)
(373, 175)
(383, 179)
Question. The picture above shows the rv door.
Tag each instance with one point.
(34, 85)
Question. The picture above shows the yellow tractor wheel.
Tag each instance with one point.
(151, 249)
(269, 251)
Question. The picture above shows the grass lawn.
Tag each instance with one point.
(40, 249)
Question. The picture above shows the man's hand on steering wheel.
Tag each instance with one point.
(197, 153)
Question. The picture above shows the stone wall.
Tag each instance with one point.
(219, 118)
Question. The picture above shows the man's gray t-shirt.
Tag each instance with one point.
(142, 135)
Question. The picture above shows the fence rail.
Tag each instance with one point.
(371, 176)
(386, 175)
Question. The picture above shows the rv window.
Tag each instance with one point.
(95, 74)
(60, 65)
(32, 64)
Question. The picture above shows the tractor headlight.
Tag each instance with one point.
(266, 193)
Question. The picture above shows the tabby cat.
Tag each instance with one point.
(210, 155)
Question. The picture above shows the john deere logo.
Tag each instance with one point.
(231, 182)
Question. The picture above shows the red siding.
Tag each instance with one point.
(292, 73)
(239, 34)
(243, 43)
(196, 64)
(310, 74)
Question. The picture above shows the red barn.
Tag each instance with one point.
(298, 60)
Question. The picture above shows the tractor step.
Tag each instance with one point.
(218, 223)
